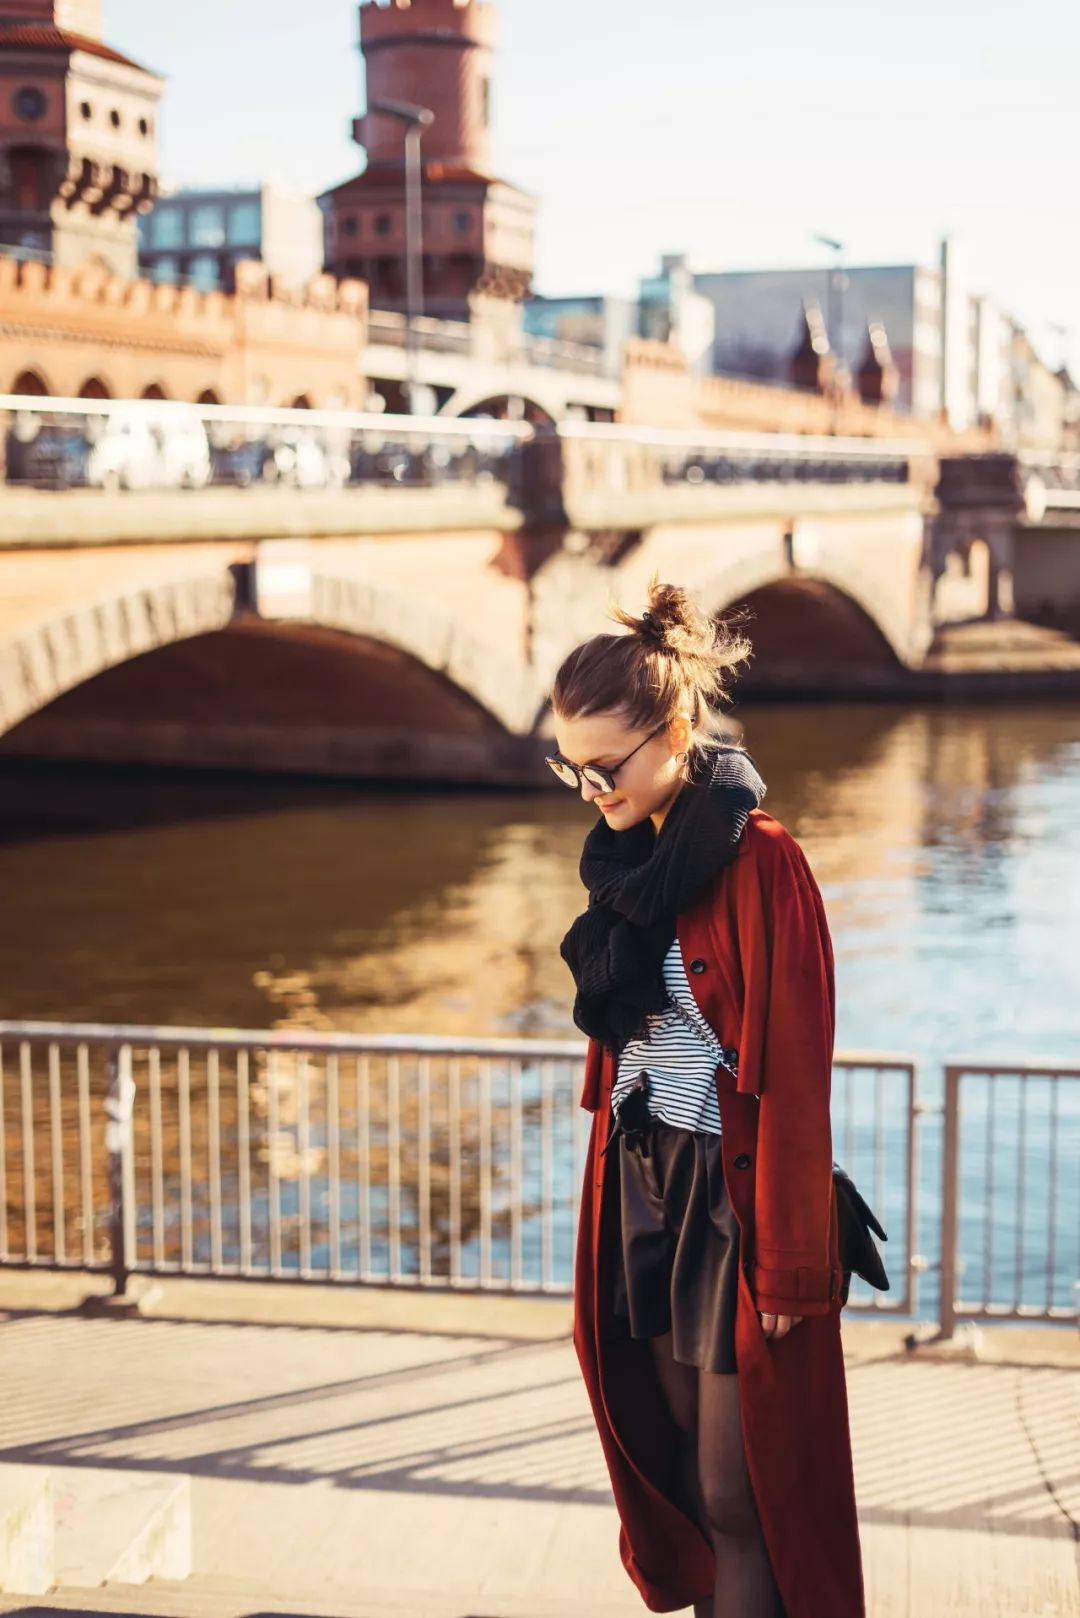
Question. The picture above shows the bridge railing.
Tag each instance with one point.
(632, 476)
(123, 445)
(1010, 1218)
(456, 337)
(600, 475)
(648, 457)
(427, 1162)
(387, 327)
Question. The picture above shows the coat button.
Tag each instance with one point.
(742, 1161)
(697, 964)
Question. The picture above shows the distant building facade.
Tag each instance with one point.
(760, 322)
(77, 137)
(672, 310)
(601, 321)
(196, 237)
(668, 309)
(478, 230)
(959, 359)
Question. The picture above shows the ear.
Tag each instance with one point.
(680, 733)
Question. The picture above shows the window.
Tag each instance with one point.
(383, 222)
(87, 110)
(207, 226)
(165, 270)
(350, 225)
(485, 101)
(166, 226)
(245, 224)
(114, 118)
(462, 222)
(205, 272)
(30, 104)
(144, 126)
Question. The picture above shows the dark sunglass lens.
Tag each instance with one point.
(597, 777)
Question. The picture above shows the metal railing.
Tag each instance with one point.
(391, 330)
(435, 336)
(1010, 1216)
(668, 457)
(404, 1161)
(428, 1162)
(120, 445)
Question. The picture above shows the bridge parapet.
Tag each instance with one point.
(634, 477)
(78, 471)
(230, 472)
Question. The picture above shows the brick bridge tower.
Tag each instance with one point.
(477, 229)
(77, 136)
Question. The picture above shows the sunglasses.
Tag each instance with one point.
(571, 775)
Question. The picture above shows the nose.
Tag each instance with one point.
(589, 791)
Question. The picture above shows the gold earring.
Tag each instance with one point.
(680, 758)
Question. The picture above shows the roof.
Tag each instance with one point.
(41, 36)
(389, 177)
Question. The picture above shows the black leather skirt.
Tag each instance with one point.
(678, 1268)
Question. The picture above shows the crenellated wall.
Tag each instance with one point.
(259, 346)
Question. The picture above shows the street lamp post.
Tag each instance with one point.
(835, 314)
(416, 120)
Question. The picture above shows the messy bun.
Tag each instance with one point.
(675, 659)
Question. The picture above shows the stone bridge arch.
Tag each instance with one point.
(57, 650)
(888, 605)
(538, 403)
(437, 638)
(340, 634)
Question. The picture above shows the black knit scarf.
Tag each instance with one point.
(640, 880)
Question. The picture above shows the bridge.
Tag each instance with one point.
(373, 595)
(471, 366)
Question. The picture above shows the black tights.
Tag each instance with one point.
(705, 1406)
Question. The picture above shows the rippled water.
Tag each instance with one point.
(946, 843)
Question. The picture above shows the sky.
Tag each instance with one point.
(733, 133)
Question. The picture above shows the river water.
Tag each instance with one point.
(946, 841)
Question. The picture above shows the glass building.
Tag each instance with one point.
(196, 238)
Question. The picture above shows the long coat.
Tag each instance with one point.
(760, 964)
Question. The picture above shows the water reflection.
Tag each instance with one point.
(946, 842)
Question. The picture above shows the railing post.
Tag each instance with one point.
(950, 1170)
(119, 1145)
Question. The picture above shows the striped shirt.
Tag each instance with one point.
(680, 1053)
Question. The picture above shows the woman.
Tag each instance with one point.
(707, 1280)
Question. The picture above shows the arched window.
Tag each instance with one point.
(31, 384)
(301, 402)
(154, 391)
(208, 397)
(94, 388)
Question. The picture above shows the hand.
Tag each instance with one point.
(779, 1325)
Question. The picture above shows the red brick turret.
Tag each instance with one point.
(477, 229)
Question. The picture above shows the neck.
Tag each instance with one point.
(658, 816)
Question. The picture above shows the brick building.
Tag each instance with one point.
(87, 333)
(77, 169)
(478, 230)
(77, 136)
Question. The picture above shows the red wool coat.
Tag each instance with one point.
(760, 964)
